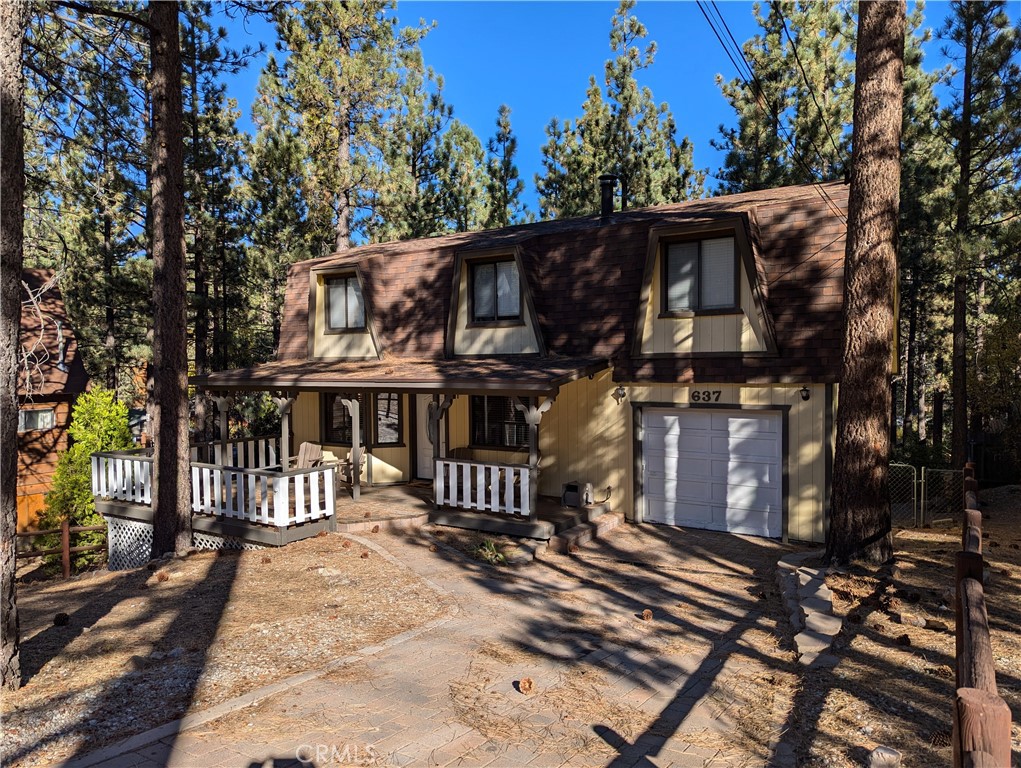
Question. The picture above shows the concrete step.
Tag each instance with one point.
(583, 533)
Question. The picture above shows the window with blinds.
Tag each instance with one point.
(496, 423)
(700, 275)
(337, 420)
(345, 309)
(495, 291)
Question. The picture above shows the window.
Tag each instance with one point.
(495, 422)
(35, 419)
(495, 291)
(337, 420)
(699, 275)
(388, 419)
(345, 310)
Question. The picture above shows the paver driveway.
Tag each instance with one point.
(549, 664)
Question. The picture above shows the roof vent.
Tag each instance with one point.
(607, 183)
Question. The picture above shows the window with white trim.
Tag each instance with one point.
(35, 419)
(700, 275)
(495, 291)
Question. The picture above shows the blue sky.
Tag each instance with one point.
(536, 57)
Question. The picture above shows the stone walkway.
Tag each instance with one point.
(551, 664)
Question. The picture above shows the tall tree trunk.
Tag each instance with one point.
(343, 240)
(13, 21)
(938, 408)
(201, 337)
(171, 516)
(910, 363)
(110, 344)
(959, 379)
(860, 523)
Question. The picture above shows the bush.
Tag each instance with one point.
(98, 423)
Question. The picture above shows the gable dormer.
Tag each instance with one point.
(701, 293)
(340, 321)
(491, 309)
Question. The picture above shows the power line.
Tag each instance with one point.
(794, 49)
(786, 136)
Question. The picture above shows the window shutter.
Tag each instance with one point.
(682, 271)
(355, 305)
(482, 292)
(508, 289)
(717, 278)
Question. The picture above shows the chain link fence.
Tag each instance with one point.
(942, 495)
(904, 496)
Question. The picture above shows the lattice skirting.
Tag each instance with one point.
(130, 543)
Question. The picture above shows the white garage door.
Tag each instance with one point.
(714, 469)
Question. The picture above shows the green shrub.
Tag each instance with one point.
(98, 423)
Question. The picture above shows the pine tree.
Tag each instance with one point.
(462, 179)
(503, 186)
(620, 131)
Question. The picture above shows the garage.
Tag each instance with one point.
(716, 469)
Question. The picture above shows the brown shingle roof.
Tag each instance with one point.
(52, 364)
(585, 280)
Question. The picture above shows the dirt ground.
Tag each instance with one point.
(116, 653)
(895, 682)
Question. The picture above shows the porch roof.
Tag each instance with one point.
(463, 375)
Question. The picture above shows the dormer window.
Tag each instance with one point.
(345, 309)
(495, 291)
(700, 275)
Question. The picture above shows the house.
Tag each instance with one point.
(682, 359)
(50, 379)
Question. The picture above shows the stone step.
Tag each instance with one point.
(583, 533)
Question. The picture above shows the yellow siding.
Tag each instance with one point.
(586, 436)
(514, 340)
(356, 345)
(705, 333)
(389, 465)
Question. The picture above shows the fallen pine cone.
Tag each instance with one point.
(367, 514)
(321, 534)
(375, 529)
(903, 640)
(525, 685)
(267, 559)
(61, 620)
(647, 615)
(365, 555)
(346, 544)
(162, 576)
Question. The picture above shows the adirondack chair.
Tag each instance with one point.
(310, 455)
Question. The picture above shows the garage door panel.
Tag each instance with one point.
(712, 469)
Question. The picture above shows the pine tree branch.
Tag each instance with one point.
(109, 12)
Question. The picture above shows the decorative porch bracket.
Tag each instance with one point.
(354, 409)
(436, 412)
(223, 403)
(283, 404)
(533, 415)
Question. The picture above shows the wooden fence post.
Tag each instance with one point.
(65, 547)
(981, 729)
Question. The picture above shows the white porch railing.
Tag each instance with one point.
(123, 475)
(263, 496)
(482, 487)
(247, 453)
(260, 496)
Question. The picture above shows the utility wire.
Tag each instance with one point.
(794, 49)
(758, 89)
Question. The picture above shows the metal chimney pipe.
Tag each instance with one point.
(607, 183)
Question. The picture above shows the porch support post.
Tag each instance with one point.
(437, 410)
(284, 403)
(223, 402)
(354, 409)
(533, 415)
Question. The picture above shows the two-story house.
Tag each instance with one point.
(682, 359)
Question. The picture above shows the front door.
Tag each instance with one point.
(424, 456)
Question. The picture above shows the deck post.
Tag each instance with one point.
(354, 408)
(284, 403)
(437, 410)
(533, 415)
(222, 401)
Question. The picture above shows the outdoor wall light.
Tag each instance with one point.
(805, 393)
(619, 394)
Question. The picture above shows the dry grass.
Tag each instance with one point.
(894, 684)
(197, 632)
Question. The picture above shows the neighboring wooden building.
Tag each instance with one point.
(685, 356)
(51, 378)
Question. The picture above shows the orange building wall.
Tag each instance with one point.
(38, 451)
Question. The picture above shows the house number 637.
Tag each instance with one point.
(706, 395)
